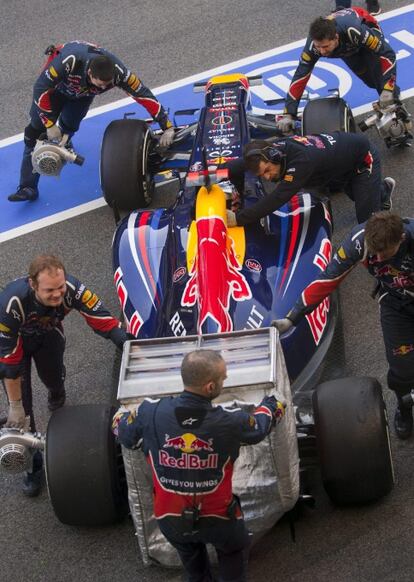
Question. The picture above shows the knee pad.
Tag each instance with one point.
(31, 134)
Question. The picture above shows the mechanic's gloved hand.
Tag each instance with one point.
(17, 416)
(282, 325)
(285, 123)
(54, 133)
(64, 140)
(278, 408)
(386, 99)
(130, 410)
(118, 336)
(167, 138)
(231, 218)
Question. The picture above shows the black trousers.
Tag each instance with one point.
(367, 66)
(229, 538)
(397, 321)
(366, 189)
(47, 351)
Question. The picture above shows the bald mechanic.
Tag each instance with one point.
(193, 499)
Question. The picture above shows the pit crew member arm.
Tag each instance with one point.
(11, 345)
(89, 305)
(350, 252)
(128, 425)
(307, 61)
(132, 85)
(253, 428)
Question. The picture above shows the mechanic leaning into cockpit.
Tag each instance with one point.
(355, 36)
(73, 75)
(338, 160)
(31, 312)
(385, 246)
(192, 446)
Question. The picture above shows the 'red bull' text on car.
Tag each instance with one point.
(186, 280)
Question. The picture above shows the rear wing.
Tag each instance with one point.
(151, 367)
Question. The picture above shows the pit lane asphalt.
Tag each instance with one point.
(165, 41)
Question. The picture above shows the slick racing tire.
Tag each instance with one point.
(327, 114)
(126, 181)
(84, 468)
(353, 440)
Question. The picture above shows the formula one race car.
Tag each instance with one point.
(180, 270)
(187, 280)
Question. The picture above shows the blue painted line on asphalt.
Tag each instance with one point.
(80, 185)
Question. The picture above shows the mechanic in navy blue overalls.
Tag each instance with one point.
(354, 36)
(74, 74)
(385, 246)
(337, 160)
(31, 312)
(191, 447)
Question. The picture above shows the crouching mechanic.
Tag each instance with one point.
(340, 160)
(355, 36)
(74, 74)
(31, 312)
(385, 246)
(196, 506)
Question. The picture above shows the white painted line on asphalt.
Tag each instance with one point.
(49, 220)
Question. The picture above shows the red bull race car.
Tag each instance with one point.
(180, 270)
(186, 280)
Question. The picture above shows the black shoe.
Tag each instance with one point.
(389, 187)
(403, 422)
(32, 483)
(56, 400)
(24, 194)
(373, 7)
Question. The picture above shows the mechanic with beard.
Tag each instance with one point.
(385, 246)
(354, 36)
(195, 506)
(340, 160)
(31, 312)
(73, 75)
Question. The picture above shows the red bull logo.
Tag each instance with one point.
(386, 270)
(215, 276)
(403, 350)
(189, 444)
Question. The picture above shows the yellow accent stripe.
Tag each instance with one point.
(231, 78)
(212, 202)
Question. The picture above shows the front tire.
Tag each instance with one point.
(327, 114)
(353, 440)
(84, 467)
(126, 180)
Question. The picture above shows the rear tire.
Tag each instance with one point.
(353, 440)
(326, 115)
(126, 181)
(84, 468)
